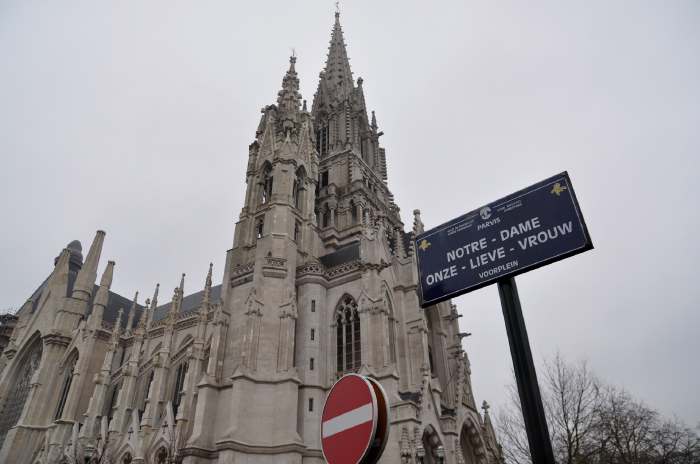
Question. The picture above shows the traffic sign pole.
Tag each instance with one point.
(525, 375)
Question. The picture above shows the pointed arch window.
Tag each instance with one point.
(259, 225)
(112, 401)
(67, 381)
(14, 402)
(392, 330)
(179, 386)
(146, 391)
(348, 336)
(266, 193)
(322, 141)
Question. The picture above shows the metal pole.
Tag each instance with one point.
(525, 375)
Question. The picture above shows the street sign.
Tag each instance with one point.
(523, 231)
(354, 422)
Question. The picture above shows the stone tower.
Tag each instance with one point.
(320, 281)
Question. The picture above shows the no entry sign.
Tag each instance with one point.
(354, 423)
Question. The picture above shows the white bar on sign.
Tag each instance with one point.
(347, 420)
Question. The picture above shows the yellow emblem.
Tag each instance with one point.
(424, 244)
(557, 189)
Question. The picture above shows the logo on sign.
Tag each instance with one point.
(557, 189)
(485, 213)
(424, 244)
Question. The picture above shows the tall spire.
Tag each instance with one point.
(182, 284)
(85, 280)
(105, 283)
(207, 286)
(154, 300)
(289, 98)
(336, 76)
(132, 313)
(116, 330)
(418, 227)
(143, 320)
(102, 297)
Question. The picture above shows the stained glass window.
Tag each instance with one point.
(14, 403)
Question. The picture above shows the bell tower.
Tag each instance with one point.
(273, 236)
(352, 189)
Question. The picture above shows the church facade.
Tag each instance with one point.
(320, 281)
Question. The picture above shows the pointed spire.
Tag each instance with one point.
(116, 331)
(132, 313)
(289, 98)
(418, 227)
(143, 320)
(374, 122)
(487, 419)
(85, 280)
(62, 266)
(207, 286)
(175, 301)
(182, 284)
(102, 297)
(154, 300)
(107, 275)
(336, 76)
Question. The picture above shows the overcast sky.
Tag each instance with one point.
(135, 117)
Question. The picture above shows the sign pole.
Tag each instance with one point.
(525, 375)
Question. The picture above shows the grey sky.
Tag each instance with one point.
(135, 117)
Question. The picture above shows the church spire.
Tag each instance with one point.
(102, 297)
(85, 280)
(132, 313)
(336, 77)
(207, 287)
(289, 98)
(182, 284)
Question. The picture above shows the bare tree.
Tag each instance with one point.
(632, 433)
(625, 428)
(572, 402)
(511, 430)
(594, 424)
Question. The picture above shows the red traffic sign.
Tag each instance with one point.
(354, 423)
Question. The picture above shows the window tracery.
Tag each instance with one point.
(348, 336)
(14, 403)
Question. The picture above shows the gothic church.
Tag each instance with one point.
(320, 281)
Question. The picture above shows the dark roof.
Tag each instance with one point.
(342, 255)
(189, 303)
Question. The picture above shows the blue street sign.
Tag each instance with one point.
(528, 229)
